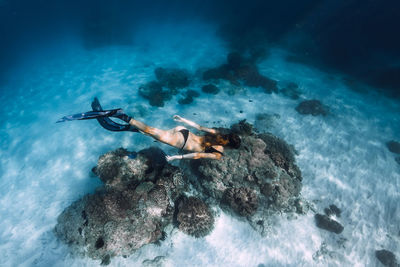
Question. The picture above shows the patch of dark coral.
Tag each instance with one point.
(242, 200)
(312, 107)
(118, 170)
(155, 93)
(210, 89)
(186, 101)
(386, 257)
(291, 90)
(188, 98)
(242, 128)
(169, 82)
(251, 77)
(172, 78)
(194, 217)
(222, 72)
(110, 168)
(155, 158)
(239, 70)
(393, 146)
(333, 210)
(326, 223)
(281, 154)
(192, 93)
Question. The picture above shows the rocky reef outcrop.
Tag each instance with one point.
(393, 146)
(325, 222)
(312, 107)
(254, 181)
(172, 78)
(132, 209)
(210, 89)
(387, 258)
(155, 93)
(239, 69)
(291, 90)
(188, 97)
(242, 200)
(169, 82)
(142, 194)
(194, 217)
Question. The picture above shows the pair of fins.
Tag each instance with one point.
(103, 117)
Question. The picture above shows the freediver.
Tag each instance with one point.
(209, 145)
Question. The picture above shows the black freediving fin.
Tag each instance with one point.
(109, 124)
(90, 115)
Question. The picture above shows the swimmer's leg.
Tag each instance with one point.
(109, 124)
(158, 134)
(133, 125)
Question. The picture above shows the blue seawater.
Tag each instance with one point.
(56, 56)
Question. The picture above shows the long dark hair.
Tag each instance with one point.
(230, 140)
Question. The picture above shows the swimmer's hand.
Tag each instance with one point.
(171, 158)
(178, 118)
(175, 157)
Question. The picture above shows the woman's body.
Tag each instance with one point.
(176, 137)
(210, 145)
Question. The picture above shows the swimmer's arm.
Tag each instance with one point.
(194, 125)
(199, 155)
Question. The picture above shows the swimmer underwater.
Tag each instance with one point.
(210, 145)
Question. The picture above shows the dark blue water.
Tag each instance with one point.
(360, 38)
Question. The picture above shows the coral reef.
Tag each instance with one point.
(143, 194)
(194, 217)
(333, 210)
(326, 223)
(169, 81)
(131, 210)
(313, 107)
(242, 200)
(172, 79)
(291, 91)
(242, 128)
(386, 257)
(111, 223)
(210, 89)
(155, 93)
(221, 72)
(251, 77)
(237, 70)
(393, 146)
(255, 181)
(189, 97)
